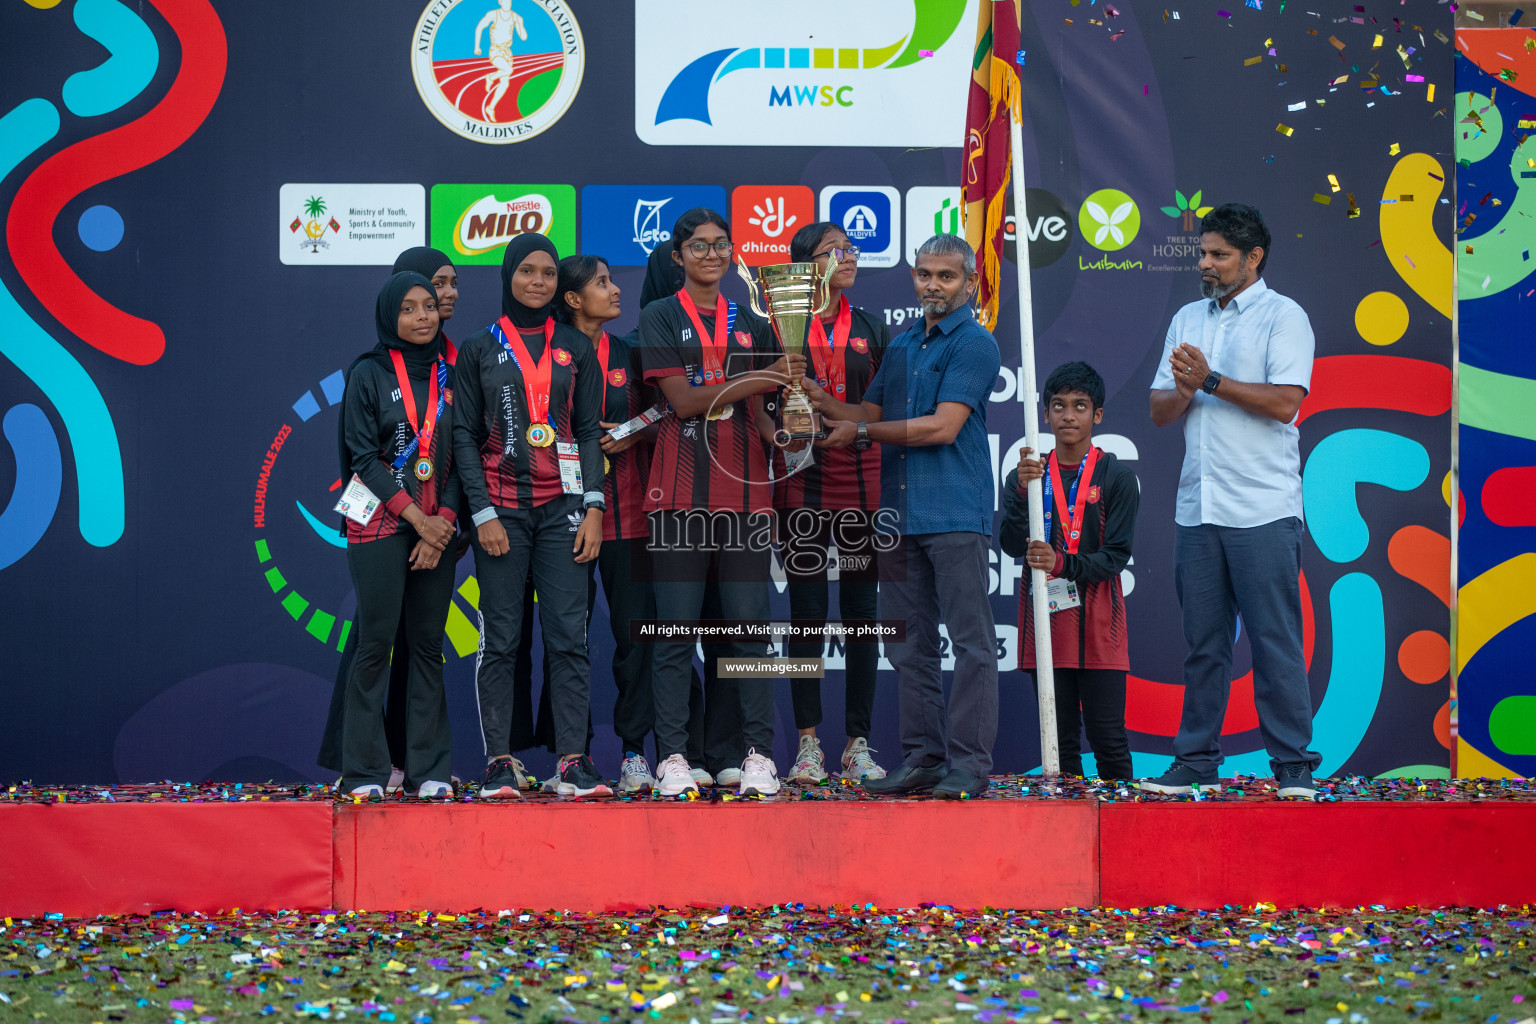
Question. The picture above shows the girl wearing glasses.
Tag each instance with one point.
(708, 491)
(831, 502)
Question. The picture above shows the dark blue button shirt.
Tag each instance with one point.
(945, 488)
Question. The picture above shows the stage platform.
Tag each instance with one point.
(120, 850)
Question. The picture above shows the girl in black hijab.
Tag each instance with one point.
(436, 267)
(398, 422)
(527, 436)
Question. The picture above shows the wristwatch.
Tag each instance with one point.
(862, 442)
(1211, 381)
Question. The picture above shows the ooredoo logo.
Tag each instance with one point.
(765, 217)
(1109, 220)
(497, 71)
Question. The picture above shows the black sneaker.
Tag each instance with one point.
(1179, 780)
(500, 780)
(578, 777)
(1296, 782)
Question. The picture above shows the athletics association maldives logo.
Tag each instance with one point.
(497, 71)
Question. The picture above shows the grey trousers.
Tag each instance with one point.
(1220, 571)
(928, 578)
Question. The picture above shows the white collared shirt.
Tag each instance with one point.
(1240, 469)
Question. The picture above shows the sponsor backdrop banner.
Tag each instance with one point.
(196, 231)
(1495, 112)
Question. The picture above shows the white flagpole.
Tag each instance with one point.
(1050, 755)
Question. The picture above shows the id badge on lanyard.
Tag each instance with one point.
(568, 454)
(1061, 594)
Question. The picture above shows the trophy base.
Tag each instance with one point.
(785, 438)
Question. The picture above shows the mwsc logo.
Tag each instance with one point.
(497, 71)
(751, 80)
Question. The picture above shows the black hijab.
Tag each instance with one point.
(418, 358)
(518, 250)
(663, 276)
(423, 259)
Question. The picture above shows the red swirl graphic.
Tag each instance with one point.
(68, 173)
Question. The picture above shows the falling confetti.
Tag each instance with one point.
(1283, 130)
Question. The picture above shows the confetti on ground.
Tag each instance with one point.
(789, 964)
(1349, 788)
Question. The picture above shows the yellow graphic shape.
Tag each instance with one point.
(1381, 318)
(463, 634)
(1445, 489)
(1408, 233)
(1472, 763)
(43, 5)
(1493, 602)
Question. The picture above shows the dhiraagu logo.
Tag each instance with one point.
(799, 72)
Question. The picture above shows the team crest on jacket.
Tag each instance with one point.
(616, 377)
(562, 357)
(858, 344)
(1093, 494)
(744, 339)
(448, 396)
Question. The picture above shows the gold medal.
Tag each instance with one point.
(722, 412)
(541, 435)
(423, 469)
(607, 467)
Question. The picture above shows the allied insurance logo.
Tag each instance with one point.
(474, 223)
(497, 71)
(624, 224)
(800, 72)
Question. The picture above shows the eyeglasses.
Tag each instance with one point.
(850, 253)
(701, 249)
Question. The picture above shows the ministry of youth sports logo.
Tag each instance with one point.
(497, 71)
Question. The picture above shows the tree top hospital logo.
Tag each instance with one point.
(497, 71)
(799, 72)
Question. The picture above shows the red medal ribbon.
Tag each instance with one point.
(713, 352)
(1072, 525)
(602, 359)
(832, 365)
(424, 431)
(536, 375)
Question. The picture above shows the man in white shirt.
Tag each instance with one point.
(1236, 366)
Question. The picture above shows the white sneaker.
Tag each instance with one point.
(728, 777)
(810, 765)
(635, 775)
(396, 780)
(858, 766)
(434, 790)
(674, 777)
(370, 792)
(699, 775)
(759, 777)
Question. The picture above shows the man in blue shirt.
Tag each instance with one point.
(927, 408)
(1236, 366)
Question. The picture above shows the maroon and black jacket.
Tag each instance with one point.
(1092, 635)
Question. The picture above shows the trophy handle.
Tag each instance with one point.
(825, 285)
(753, 297)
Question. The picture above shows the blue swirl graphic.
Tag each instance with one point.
(39, 476)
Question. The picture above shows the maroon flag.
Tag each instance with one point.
(985, 177)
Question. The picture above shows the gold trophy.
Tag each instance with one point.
(796, 294)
